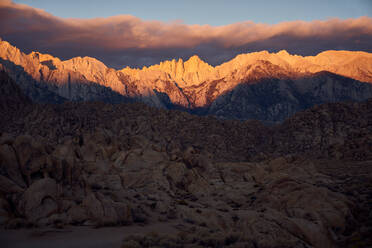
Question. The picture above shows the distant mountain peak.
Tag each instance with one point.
(195, 58)
(283, 53)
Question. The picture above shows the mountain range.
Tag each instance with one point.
(265, 86)
(181, 180)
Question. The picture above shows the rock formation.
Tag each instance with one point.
(221, 183)
(266, 86)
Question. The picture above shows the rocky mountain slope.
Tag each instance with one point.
(219, 183)
(12, 99)
(277, 99)
(265, 86)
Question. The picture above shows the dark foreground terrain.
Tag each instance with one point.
(163, 178)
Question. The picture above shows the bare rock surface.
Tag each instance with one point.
(282, 202)
(263, 86)
(214, 183)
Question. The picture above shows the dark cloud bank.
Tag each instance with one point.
(124, 40)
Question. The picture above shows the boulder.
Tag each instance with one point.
(9, 164)
(103, 211)
(40, 199)
(9, 187)
(93, 207)
(76, 215)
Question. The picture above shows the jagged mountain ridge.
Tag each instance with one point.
(194, 85)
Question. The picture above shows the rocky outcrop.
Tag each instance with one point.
(338, 130)
(265, 86)
(101, 179)
(303, 183)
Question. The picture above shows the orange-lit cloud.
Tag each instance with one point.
(127, 40)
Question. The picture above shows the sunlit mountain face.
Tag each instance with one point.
(124, 132)
(265, 86)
